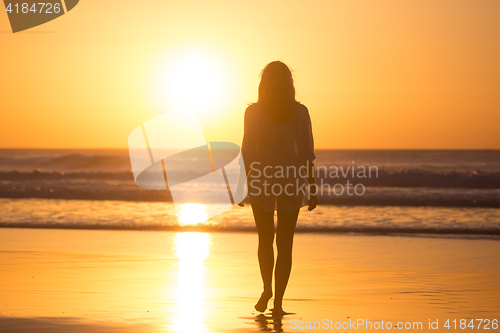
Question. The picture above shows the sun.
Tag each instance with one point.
(193, 78)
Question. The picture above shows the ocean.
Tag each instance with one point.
(429, 193)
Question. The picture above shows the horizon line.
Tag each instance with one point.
(316, 149)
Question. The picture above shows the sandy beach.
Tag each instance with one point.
(147, 281)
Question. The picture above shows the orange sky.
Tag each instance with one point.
(374, 74)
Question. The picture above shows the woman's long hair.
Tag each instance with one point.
(276, 92)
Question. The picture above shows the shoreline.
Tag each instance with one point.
(432, 222)
(418, 233)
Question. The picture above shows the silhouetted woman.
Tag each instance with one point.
(278, 152)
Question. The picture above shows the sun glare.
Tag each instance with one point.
(192, 79)
(192, 213)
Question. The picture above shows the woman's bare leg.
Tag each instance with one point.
(265, 227)
(287, 221)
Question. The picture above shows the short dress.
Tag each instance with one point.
(276, 155)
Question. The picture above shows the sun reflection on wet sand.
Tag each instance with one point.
(191, 248)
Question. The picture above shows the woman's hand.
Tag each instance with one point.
(313, 197)
(313, 201)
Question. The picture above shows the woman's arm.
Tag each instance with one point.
(248, 148)
(313, 189)
(310, 156)
(249, 144)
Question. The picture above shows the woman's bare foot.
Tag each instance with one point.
(278, 311)
(261, 305)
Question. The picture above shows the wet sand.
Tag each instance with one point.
(152, 281)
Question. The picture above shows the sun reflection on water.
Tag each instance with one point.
(192, 214)
(191, 248)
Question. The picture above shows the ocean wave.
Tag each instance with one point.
(402, 178)
(121, 186)
(65, 160)
(61, 175)
(385, 178)
(418, 178)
